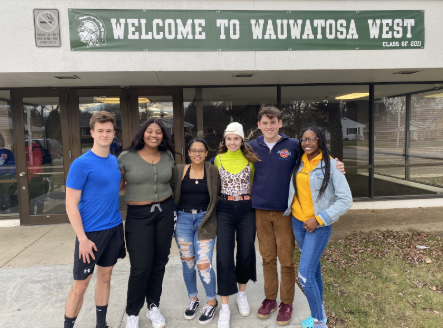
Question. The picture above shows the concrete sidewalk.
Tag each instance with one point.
(36, 276)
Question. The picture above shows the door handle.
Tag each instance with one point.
(22, 174)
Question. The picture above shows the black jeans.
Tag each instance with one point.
(235, 218)
(148, 232)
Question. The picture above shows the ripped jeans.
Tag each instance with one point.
(311, 246)
(196, 254)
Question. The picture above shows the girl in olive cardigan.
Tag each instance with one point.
(196, 188)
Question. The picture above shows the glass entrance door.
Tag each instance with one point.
(41, 147)
(45, 130)
(44, 155)
(9, 207)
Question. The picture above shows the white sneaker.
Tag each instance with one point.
(243, 305)
(132, 321)
(157, 319)
(224, 318)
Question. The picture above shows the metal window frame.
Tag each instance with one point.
(371, 142)
(372, 166)
(179, 118)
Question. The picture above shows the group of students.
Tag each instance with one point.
(283, 190)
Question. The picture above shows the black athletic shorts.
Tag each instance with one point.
(110, 245)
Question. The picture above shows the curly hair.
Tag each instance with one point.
(166, 143)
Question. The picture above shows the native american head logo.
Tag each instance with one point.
(92, 30)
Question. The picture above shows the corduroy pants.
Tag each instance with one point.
(276, 240)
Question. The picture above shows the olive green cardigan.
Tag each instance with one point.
(208, 227)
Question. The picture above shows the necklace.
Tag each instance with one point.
(152, 157)
(196, 181)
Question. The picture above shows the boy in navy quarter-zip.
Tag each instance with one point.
(277, 162)
(270, 188)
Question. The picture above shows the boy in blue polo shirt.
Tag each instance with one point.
(92, 194)
(270, 191)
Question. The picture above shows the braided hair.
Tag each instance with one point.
(325, 153)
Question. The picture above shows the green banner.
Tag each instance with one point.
(244, 30)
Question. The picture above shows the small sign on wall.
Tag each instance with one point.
(47, 28)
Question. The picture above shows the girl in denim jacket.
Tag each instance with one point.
(318, 195)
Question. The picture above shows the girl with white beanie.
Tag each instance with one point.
(235, 216)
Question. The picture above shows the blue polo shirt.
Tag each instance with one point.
(99, 180)
(270, 188)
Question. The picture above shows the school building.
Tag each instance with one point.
(369, 73)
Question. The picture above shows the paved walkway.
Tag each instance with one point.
(36, 276)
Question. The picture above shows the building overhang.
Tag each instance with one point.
(215, 78)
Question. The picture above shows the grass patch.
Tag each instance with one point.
(380, 279)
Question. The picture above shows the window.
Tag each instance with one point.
(209, 110)
(340, 111)
(352, 131)
(408, 129)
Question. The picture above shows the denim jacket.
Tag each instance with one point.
(336, 200)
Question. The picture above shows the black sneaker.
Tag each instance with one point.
(190, 311)
(208, 313)
(105, 326)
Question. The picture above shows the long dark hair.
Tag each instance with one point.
(137, 143)
(325, 154)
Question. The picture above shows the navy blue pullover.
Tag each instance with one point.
(270, 188)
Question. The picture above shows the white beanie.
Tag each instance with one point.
(235, 128)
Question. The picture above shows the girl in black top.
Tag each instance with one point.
(196, 188)
(194, 196)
